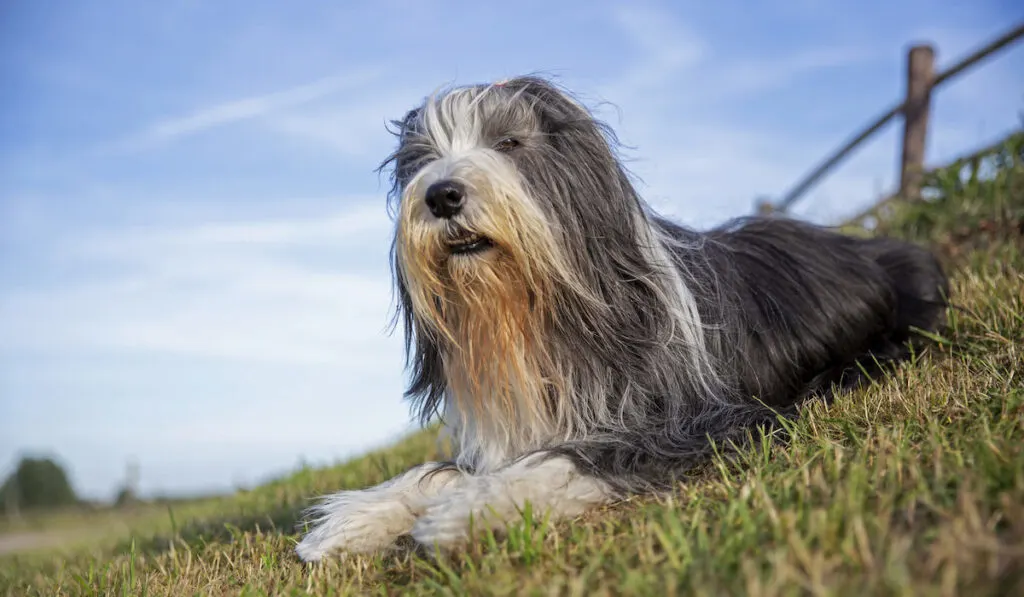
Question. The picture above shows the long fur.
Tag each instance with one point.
(598, 350)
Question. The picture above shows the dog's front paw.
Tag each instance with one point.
(354, 522)
(447, 523)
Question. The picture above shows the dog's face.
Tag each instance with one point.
(497, 188)
(501, 191)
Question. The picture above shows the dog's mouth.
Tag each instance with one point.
(464, 242)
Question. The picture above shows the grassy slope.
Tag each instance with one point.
(911, 487)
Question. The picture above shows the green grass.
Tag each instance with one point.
(914, 486)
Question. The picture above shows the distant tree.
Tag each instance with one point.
(128, 495)
(125, 498)
(35, 484)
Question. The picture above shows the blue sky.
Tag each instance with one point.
(193, 240)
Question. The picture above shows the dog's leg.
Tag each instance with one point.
(368, 520)
(552, 484)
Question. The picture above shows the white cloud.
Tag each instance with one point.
(246, 108)
(666, 49)
(751, 76)
(354, 128)
(666, 45)
(205, 348)
(232, 290)
(360, 214)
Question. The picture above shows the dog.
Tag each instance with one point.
(580, 348)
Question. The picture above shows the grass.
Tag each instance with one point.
(914, 486)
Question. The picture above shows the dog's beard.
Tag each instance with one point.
(491, 309)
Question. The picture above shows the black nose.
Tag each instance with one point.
(445, 198)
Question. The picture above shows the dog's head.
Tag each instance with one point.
(501, 191)
(518, 232)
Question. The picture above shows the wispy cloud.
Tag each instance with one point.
(352, 128)
(753, 75)
(354, 215)
(247, 108)
(666, 45)
(199, 291)
(235, 320)
(665, 48)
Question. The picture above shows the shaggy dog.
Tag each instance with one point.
(580, 348)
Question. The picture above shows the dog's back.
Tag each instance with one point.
(816, 308)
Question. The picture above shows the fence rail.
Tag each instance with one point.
(915, 107)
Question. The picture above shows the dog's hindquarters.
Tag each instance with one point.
(921, 286)
(921, 291)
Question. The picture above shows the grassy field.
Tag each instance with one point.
(914, 486)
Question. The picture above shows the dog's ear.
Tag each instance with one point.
(398, 160)
(400, 128)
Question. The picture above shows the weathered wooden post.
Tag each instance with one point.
(920, 77)
(764, 206)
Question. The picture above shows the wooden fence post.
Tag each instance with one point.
(920, 77)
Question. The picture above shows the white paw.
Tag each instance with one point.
(448, 521)
(552, 486)
(354, 522)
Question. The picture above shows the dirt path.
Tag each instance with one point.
(18, 542)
